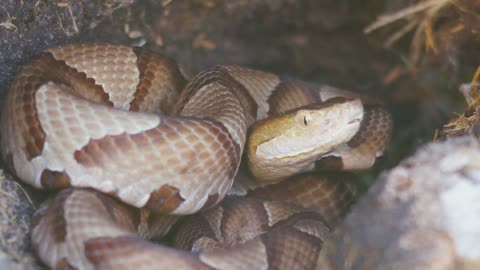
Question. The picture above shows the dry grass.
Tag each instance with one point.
(466, 122)
(435, 23)
(8, 23)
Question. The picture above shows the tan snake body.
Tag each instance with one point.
(93, 117)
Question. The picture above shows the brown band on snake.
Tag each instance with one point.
(287, 249)
(234, 220)
(33, 135)
(367, 126)
(211, 201)
(234, 150)
(56, 217)
(99, 151)
(237, 214)
(367, 144)
(219, 75)
(64, 265)
(42, 69)
(156, 161)
(364, 148)
(110, 60)
(119, 252)
(156, 226)
(224, 225)
(60, 224)
(330, 163)
(164, 200)
(97, 249)
(58, 71)
(154, 71)
(120, 213)
(293, 241)
(54, 179)
(291, 94)
(329, 194)
(196, 229)
(96, 152)
(226, 142)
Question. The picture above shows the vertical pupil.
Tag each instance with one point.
(305, 120)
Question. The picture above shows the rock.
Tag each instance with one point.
(423, 214)
(16, 209)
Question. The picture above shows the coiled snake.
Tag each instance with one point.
(120, 128)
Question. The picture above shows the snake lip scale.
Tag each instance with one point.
(134, 144)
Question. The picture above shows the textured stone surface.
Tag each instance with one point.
(15, 213)
(29, 27)
(423, 214)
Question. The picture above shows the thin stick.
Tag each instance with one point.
(390, 18)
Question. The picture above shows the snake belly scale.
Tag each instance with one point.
(134, 145)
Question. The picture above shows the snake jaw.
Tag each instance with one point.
(354, 121)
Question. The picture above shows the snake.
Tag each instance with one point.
(132, 143)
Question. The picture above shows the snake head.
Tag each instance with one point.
(291, 142)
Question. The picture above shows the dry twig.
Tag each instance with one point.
(423, 18)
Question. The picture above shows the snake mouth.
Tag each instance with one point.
(356, 120)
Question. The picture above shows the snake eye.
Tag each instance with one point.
(305, 120)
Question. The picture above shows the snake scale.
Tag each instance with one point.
(133, 143)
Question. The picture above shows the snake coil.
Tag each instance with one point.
(130, 140)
